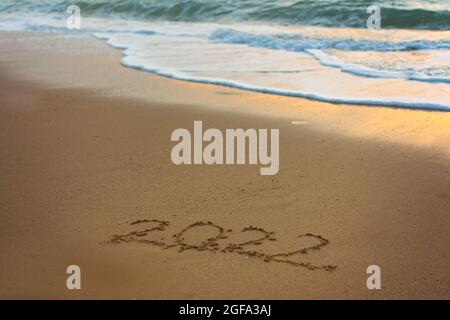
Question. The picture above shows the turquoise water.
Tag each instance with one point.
(405, 14)
(320, 50)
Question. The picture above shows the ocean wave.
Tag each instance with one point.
(284, 73)
(316, 46)
(303, 43)
(361, 70)
(401, 14)
(130, 62)
(348, 66)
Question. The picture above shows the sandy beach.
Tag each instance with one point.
(85, 161)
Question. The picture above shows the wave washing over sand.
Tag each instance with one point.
(332, 61)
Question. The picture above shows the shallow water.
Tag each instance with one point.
(249, 50)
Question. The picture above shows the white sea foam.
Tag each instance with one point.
(326, 64)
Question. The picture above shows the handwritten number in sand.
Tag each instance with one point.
(208, 244)
(139, 236)
(322, 242)
(211, 244)
(239, 247)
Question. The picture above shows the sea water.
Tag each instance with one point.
(319, 50)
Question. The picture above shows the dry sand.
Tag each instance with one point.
(85, 151)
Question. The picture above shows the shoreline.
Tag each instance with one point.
(418, 128)
(85, 151)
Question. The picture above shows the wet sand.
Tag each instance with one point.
(85, 162)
